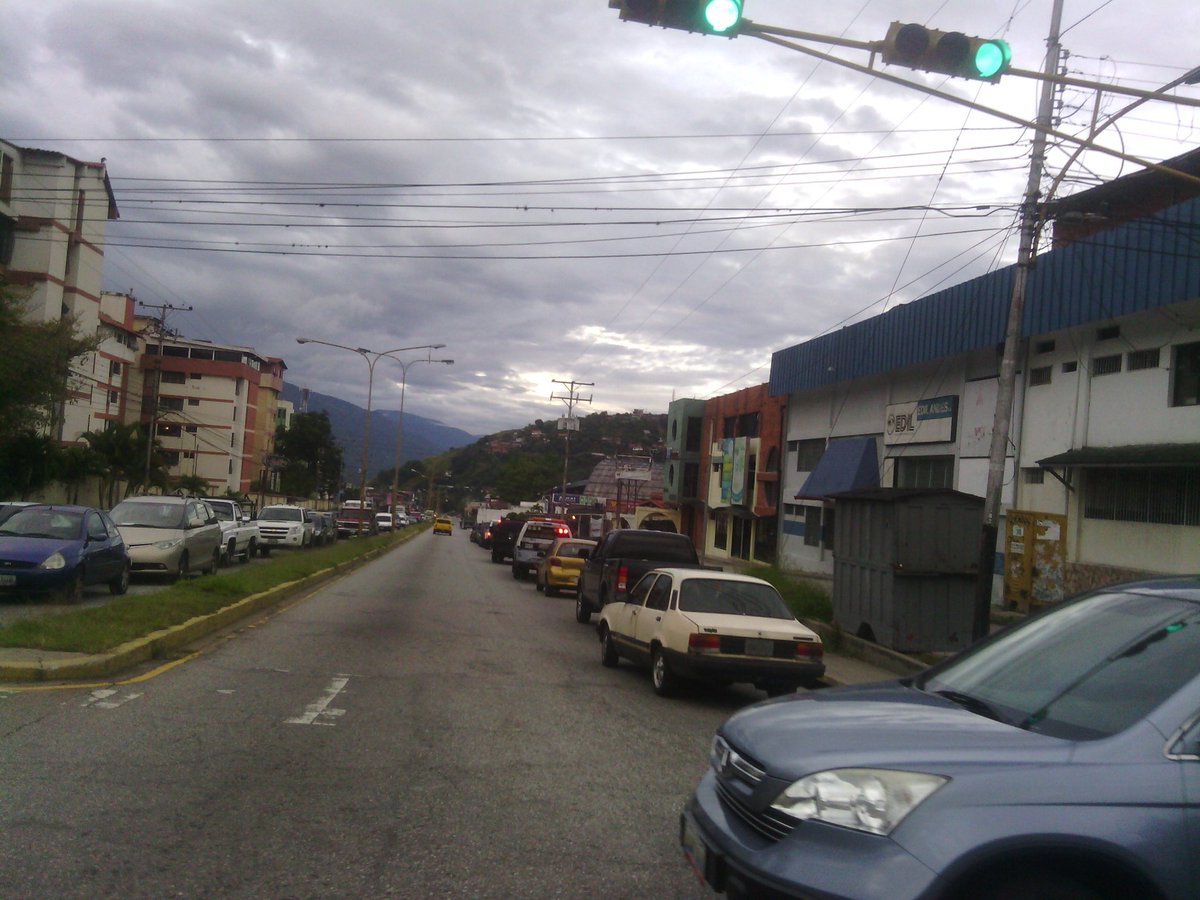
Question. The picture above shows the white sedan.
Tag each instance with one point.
(711, 626)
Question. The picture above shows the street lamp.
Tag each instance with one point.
(371, 357)
(400, 427)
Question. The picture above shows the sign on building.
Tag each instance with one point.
(932, 421)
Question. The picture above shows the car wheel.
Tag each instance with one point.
(251, 550)
(516, 572)
(181, 570)
(661, 675)
(496, 557)
(583, 612)
(230, 553)
(120, 584)
(73, 592)
(608, 652)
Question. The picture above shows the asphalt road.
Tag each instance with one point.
(424, 727)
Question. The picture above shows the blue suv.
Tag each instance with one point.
(1057, 759)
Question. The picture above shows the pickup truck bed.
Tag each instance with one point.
(621, 558)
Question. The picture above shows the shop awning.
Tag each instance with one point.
(1125, 457)
(847, 464)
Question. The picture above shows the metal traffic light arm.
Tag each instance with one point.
(775, 35)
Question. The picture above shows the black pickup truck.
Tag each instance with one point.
(621, 558)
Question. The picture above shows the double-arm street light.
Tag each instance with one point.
(400, 428)
(371, 357)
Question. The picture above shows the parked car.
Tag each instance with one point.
(532, 542)
(559, 569)
(353, 519)
(50, 549)
(169, 535)
(720, 627)
(622, 557)
(1057, 759)
(443, 525)
(504, 537)
(383, 521)
(239, 535)
(324, 530)
(284, 525)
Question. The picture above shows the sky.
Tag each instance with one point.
(552, 193)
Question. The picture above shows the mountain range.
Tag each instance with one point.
(422, 437)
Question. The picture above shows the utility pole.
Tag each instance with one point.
(570, 423)
(161, 329)
(1031, 211)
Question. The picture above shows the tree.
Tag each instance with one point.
(27, 463)
(74, 466)
(121, 455)
(312, 459)
(192, 484)
(35, 368)
(528, 475)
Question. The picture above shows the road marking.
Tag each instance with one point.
(315, 713)
(102, 699)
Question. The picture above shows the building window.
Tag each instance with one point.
(695, 431)
(192, 402)
(114, 396)
(1045, 347)
(114, 367)
(1070, 366)
(812, 526)
(721, 531)
(172, 403)
(1163, 496)
(1185, 375)
(729, 427)
(191, 429)
(748, 425)
(1106, 365)
(1142, 359)
(1034, 475)
(925, 472)
(173, 377)
(1108, 333)
(195, 376)
(171, 457)
(1040, 375)
(808, 452)
(691, 480)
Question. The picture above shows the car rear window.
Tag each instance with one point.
(733, 598)
(542, 532)
(654, 545)
(572, 551)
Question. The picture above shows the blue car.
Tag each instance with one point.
(50, 549)
(1057, 759)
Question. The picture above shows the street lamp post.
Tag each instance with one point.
(371, 358)
(400, 427)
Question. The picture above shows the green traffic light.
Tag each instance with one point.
(721, 15)
(992, 58)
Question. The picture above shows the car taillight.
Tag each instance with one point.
(809, 650)
(622, 579)
(564, 532)
(704, 643)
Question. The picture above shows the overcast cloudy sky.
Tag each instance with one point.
(549, 191)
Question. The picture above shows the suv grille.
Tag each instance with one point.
(731, 767)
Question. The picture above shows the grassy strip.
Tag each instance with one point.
(102, 628)
(806, 600)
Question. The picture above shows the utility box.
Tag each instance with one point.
(906, 566)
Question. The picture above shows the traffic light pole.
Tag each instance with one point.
(1031, 217)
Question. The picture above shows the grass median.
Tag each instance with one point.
(102, 628)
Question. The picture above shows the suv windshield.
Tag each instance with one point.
(1085, 670)
(281, 514)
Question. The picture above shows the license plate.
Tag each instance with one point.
(759, 647)
(693, 847)
(8, 580)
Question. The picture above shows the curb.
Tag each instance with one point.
(158, 644)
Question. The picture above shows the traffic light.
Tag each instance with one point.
(705, 16)
(947, 52)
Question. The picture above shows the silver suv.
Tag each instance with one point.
(535, 538)
(169, 535)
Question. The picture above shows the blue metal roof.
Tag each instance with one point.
(1140, 265)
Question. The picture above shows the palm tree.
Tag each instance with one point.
(74, 466)
(121, 450)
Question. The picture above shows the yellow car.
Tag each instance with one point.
(559, 569)
(442, 525)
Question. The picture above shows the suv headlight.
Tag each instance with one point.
(168, 545)
(871, 800)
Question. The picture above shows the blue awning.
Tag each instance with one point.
(848, 464)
